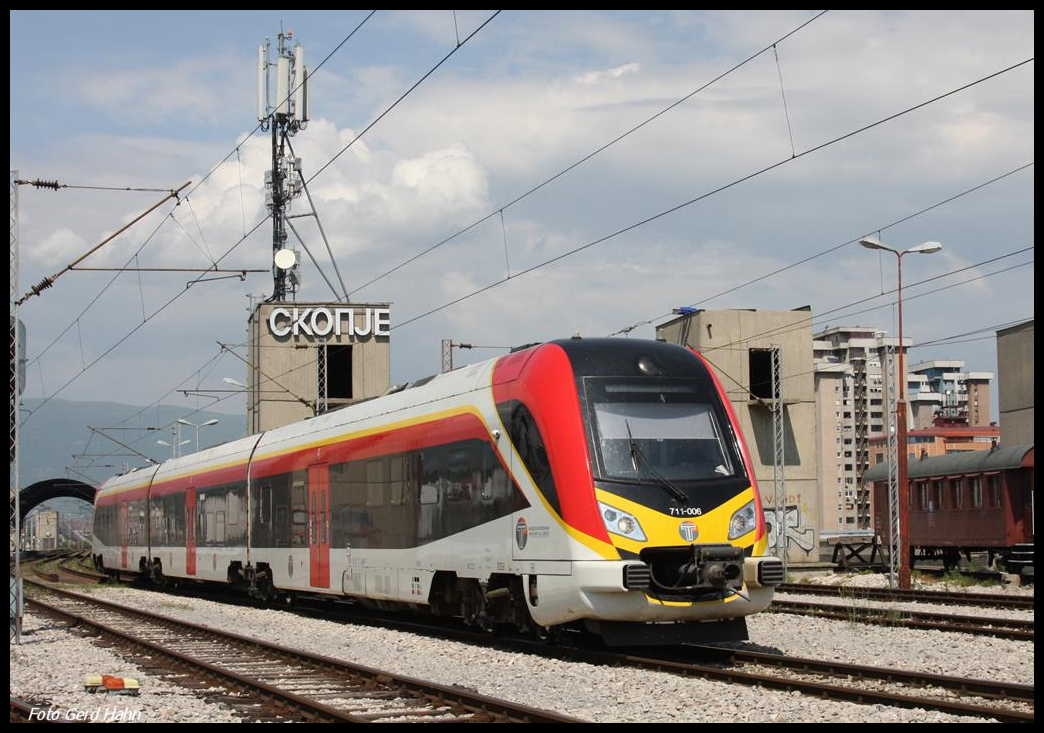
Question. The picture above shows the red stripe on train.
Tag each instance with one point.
(543, 379)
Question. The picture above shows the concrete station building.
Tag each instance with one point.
(1015, 383)
(309, 358)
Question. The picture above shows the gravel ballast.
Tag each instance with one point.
(619, 694)
(50, 664)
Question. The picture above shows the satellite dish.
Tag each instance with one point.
(285, 259)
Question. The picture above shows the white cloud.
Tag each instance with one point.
(59, 248)
(593, 76)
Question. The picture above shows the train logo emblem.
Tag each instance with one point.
(521, 533)
(688, 531)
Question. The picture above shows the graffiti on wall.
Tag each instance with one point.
(798, 532)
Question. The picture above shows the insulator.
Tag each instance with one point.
(46, 184)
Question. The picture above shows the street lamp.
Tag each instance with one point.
(182, 421)
(173, 448)
(900, 411)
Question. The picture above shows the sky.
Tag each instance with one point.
(157, 98)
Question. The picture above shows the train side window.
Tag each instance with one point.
(429, 494)
(266, 503)
(201, 520)
(282, 526)
(399, 476)
(923, 500)
(958, 494)
(976, 492)
(458, 475)
(995, 491)
(430, 471)
(375, 482)
(232, 507)
(299, 531)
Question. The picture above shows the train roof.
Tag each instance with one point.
(976, 461)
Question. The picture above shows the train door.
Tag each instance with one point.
(123, 534)
(190, 530)
(319, 525)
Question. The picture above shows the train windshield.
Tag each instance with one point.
(661, 430)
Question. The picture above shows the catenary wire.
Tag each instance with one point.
(266, 218)
(708, 194)
(584, 159)
(235, 151)
(827, 251)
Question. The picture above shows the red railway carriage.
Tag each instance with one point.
(975, 501)
(597, 481)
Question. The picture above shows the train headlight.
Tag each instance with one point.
(621, 523)
(742, 521)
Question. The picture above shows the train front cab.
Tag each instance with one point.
(633, 450)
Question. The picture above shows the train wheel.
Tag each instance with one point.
(544, 634)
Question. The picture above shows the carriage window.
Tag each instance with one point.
(282, 525)
(399, 474)
(923, 502)
(958, 494)
(429, 494)
(232, 505)
(976, 490)
(375, 482)
(936, 497)
(430, 468)
(299, 509)
(266, 503)
(458, 475)
(995, 491)
(219, 529)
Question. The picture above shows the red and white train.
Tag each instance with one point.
(602, 481)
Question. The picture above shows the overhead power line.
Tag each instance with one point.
(581, 161)
(827, 251)
(264, 219)
(805, 322)
(405, 94)
(49, 281)
(708, 194)
(235, 151)
(54, 185)
(908, 217)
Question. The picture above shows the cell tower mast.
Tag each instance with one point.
(285, 117)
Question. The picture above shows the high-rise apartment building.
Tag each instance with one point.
(851, 389)
(942, 389)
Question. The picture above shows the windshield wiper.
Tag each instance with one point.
(636, 453)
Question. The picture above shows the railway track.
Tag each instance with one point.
(998, 627)
(270, 682)
(1007, 702)
(20, 710)
(983, 600)
(1003, 701)
(68, 565)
